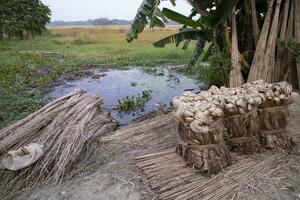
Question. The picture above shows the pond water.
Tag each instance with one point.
(114, 84)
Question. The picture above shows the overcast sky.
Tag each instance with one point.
(71, 10)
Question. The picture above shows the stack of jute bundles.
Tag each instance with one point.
(273, 113)
(241, 119)
(249, 118)
(200, 127)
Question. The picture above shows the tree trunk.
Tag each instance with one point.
(254, 21)
(297, 35)
(235, 76)
(269, 61)
(281, 56)
(293, 78)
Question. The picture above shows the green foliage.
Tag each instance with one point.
(290, 47)
(219, 69)
(146, 94)
(206, 51)
(22, 18)
(214, 72)
(207, 24)
(147, 11)
(4, 47)
(197, 51)
(212, 67)
(181, 19)
(35, 58)
(186, 35)
(132, 103)
(20, 85)
(186, 44)
(14, 108)
(183, 35)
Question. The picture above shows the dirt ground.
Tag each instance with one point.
(113, 173)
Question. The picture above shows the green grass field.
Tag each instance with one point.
(29, 67)
(107, 45)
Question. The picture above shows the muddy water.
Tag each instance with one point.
(114, 84)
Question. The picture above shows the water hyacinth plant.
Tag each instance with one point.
(132, 103)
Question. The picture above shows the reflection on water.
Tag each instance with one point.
(117, 84)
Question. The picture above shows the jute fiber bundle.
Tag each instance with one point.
(255, 116)
(263, 64)
(200, 131)
(67, 129)
(273, 113)
(235, 76)
(241, 119)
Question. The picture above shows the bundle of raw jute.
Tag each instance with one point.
(199, 119)
(66, 128)
(273, 113)
(241, 119)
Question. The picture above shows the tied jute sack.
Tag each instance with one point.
(242, 132)
(206, 152)
(273, 123)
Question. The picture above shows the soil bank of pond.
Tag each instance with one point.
(115, 84)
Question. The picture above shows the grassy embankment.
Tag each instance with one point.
(28, 68)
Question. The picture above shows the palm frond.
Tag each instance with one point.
(182, 35)
(206, 51)
(148, 10)
(177, 17)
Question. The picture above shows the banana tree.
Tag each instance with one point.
(208, 27)
(253, 26)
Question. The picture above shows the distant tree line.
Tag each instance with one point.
(100, 21)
